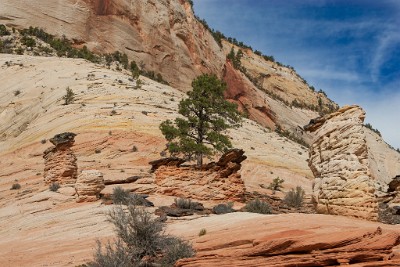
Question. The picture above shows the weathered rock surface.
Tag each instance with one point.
(60, 160)
(155, 164)
(244, 239)
(351, 171)
(164, 35)
(217, 181)
(89, 185)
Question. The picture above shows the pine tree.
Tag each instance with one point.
(207, 115)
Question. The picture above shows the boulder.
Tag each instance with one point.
(60, 160)
(89, 185)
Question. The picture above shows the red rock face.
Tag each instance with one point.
(248, 98)
(101, 7)
(296, 240)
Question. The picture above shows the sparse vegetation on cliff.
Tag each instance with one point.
(369, 126)
(207, 115)
(295, 198)
(69, 96)
(258, 206)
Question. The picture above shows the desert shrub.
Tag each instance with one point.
(54, 186)
(202, 232)
(276, 184)
(185, 203)
(124, 197)
(134, 149)
(69, 96)
(120, 196)
(28, 41)
(223, 208)
(43, 141)
(97, 151)
(3, 30)
(294, 198)
(258, 206)
(140, 242)
(176, 249)
(17, 92)
(15, 186)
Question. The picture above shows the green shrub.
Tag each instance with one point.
(15, 186)
(54, 187)
(202, 232)
(276, 184)
(3, 30)
(140, 242)
(295, 198)
(258, 206)
(69, 96)
(28, 41)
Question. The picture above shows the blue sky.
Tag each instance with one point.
(348, 48)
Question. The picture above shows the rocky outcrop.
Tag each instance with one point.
(163, 36)
(350, 179)
(217, 181)
(60, 160)
(89, 185)
(155, 164)
(292, 240)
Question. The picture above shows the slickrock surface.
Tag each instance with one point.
(352, 166)
(243, 239)
(60, 161)
(89, 185)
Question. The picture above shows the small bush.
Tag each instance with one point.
(3, 30)
(184, 203)
(120, 196)
(141, 242)
(97, 151)
(202, 232)
(54, 187)
(43, 141)
(258, 206)
(223, 208)
(295, 198)
(15, 186)
(17, 92)
(69, 96)
(276, 184)
(176, 249)
(134, 149)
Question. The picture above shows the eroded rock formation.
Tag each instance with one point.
(89, 185)
(217, 181)
(294, 240)
(350, 177)
(60, 160)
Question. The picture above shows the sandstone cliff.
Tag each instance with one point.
(351, 164)
(165, 37)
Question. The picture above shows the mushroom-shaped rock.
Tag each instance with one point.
(60, 160)
(89, 185)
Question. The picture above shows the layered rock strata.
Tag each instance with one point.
(350, 178)
(89, 185)
(60, 161)
(217, 181)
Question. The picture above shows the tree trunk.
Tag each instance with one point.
(199, 160)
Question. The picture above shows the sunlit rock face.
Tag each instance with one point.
(352, 174)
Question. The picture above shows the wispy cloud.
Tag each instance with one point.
(346, 48)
